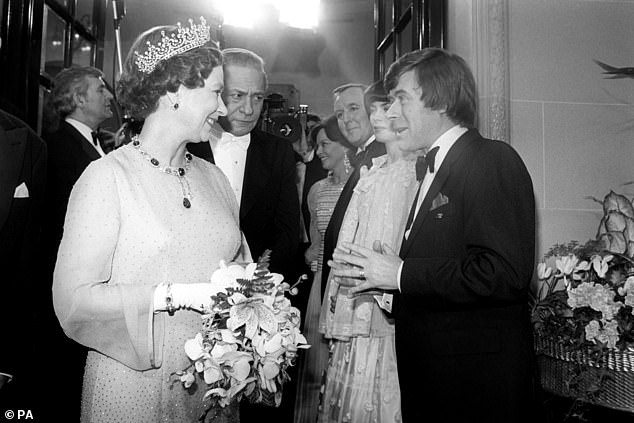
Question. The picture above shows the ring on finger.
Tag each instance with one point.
(361, 273)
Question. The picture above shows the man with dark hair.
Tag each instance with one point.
(82, 102)
(354, 122)
(460, 281)
(22, 183)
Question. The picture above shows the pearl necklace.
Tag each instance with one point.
(179, 172)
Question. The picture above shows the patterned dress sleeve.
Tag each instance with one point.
(114, 317)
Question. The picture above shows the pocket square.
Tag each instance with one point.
(21, 191)
(439, 201)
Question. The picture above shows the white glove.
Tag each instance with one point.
(194, 296)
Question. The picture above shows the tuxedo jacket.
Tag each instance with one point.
(269, 207)
(374, 149)
(22, 163)
(463, 338)
(69, 154)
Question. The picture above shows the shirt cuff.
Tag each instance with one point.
(398, 276)
(159, 301)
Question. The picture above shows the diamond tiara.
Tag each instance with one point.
(184, 39)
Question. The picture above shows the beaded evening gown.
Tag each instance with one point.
(361, 383)
(321, 202)
(126, 231)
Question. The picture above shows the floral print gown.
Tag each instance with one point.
(361, 382)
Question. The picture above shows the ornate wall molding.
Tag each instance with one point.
(491, 56)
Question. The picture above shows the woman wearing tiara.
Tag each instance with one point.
(145, 228)
(361, 384)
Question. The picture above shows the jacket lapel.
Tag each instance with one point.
(12, 144)
(256, 174)
(85, 144)
(455, 152)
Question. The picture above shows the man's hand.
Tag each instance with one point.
(365, 269)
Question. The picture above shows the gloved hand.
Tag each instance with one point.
(193, 296)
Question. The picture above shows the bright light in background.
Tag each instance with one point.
(244, 13)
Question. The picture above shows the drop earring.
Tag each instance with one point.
(346, 163)
(175, 106)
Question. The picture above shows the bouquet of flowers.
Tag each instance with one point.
(587, 291)
(250, 335)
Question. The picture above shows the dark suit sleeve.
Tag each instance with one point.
(22, 287)
(286, 220)
(494, 262)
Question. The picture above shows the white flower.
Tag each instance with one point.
(600, 265)
(226, 276)
(194, 347)
(543, 272)
(566, 265)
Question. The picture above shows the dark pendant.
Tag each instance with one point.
(186, 203)
(154, 162)
(188, 156)
(181, 171)
(136, 143)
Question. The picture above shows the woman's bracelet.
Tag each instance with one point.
(169, 304)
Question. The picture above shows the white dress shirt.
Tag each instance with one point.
(230, 155)
(86, 132)
(444, 144)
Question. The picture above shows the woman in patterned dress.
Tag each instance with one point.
(333, 149)
(145, 228)
(361, 382)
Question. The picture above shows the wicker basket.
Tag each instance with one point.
(558, 364)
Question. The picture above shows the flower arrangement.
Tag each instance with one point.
(585, 300)
(250, 335)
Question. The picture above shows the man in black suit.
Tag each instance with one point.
(22, 184)
(463, 336)
(261, 171)
(260, 166)
(82, 102)
(354, 122)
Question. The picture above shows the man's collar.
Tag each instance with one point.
(83, 129)
(365, 144)
(227, 138)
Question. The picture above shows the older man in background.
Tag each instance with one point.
(81, 101)
(261, 171)
(354, 123)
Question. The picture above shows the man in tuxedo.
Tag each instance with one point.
(460, 281)
(82, 102)
(261, 171)
(22, 184)
(260, 166)
(354, 122)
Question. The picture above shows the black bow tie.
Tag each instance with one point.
(95, 137)
(425, 162)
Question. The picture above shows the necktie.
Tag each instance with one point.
(423, 163)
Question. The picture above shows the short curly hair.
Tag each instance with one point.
(139, 93)
(68, 83)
